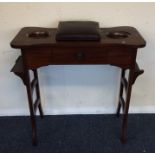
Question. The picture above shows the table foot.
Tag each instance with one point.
(123, 140)
(34, 132)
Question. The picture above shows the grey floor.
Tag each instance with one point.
(78, 133)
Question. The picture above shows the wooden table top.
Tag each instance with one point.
(133, 39)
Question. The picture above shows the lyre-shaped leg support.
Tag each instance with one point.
(124, 103)
(30, 86)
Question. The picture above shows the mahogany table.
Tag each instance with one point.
(118, 47)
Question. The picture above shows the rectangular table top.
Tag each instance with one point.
(116, 36)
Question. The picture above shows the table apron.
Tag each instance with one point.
(121, 56)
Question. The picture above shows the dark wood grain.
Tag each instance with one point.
(22, 40)
(118, 56)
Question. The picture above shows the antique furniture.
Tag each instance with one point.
(118, 46)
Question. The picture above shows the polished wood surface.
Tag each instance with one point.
(118, 56)
(118, 47)
(22, 40)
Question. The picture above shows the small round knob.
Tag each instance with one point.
(79, 56)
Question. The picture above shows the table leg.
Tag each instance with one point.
(38, 93)
(127, 102)
(22, 71)
(31, 108)
(120, 93)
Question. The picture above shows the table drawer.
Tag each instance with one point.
(121, 56)
(79, 56)
(38, 57)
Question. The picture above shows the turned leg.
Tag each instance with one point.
(120, 93)
(127, 102)
(31, 107)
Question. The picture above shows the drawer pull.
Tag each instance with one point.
(80, 56)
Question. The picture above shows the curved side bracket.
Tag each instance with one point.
(137, 73)
(18, 69)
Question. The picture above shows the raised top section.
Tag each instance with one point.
(78, 31)
(117, 36)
